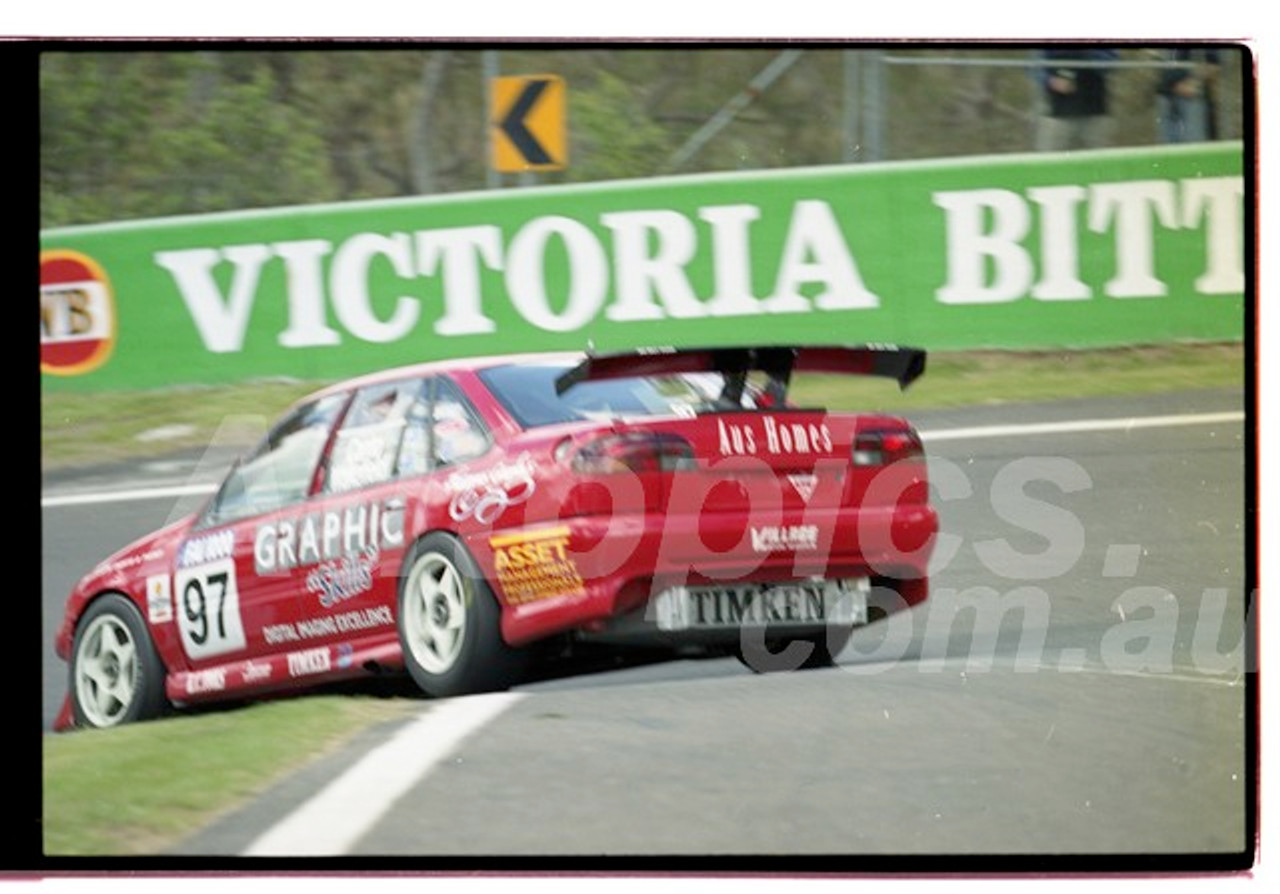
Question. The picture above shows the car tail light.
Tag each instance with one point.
(633, 452)
(879, 448)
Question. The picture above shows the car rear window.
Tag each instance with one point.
(528, 392)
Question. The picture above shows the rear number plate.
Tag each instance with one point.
(833, 602)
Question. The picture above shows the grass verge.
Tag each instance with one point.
(984, 378)
(88, 429)
(102, 427)
(142, 788)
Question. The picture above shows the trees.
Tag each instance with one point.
(154, 134)
(128, 134)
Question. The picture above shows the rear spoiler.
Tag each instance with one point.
(903, 364)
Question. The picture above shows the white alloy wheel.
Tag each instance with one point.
(116, 674)
(106, 671)
(435, 609)
(450, 623)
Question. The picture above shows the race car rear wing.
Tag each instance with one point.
(778, 363)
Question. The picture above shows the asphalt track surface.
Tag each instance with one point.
(1077, 684)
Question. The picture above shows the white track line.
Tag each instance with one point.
(1081, 425)
(126, 496)
(946, 434)
(340, 814)
(962, 666)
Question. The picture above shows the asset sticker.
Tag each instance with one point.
(532, 566)
(159, 599)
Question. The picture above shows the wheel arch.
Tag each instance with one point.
(161, 645)
(79, 607)
(412, 547)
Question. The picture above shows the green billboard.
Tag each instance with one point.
(1020, 251)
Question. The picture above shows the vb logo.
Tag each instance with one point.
(77, 314)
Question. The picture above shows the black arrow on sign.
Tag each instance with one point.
(513, 124)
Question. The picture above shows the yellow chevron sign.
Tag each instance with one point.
(529, 124)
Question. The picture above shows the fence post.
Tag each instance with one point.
(490, 68)
(849, 149)
(873, 105)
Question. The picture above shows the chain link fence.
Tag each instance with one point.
(923, 103)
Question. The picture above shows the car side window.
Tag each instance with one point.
(368, 444)
(457, 434)
(279, 472)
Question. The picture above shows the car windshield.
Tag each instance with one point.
(528, 392)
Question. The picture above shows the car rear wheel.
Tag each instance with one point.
(767, 655)
(116, 675)
(448, 623)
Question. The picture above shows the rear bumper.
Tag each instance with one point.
(581, 572)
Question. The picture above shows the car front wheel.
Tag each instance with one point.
(116, 675)
(448, 623)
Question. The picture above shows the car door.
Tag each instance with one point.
(231, 582)
(351, 540)
(380, 488)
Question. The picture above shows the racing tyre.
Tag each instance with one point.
(448, 622)
(116, 674)
(765, 656)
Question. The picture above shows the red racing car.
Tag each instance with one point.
(453, 519)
